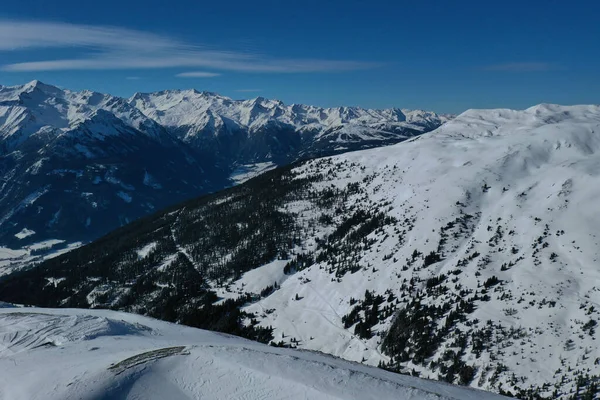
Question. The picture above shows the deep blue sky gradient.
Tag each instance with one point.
(445, 56)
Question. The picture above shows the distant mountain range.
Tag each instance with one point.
(261, 130)
(74, 165)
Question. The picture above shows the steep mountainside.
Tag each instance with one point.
(77, 354)
(260, 130)
(75, 165)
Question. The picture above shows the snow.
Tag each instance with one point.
(35, 107)
(14, 259)
(125, 196)
(256, 280)
(55, 281)
(26, 202)
(147, 249)
(246, 172)
(44, 244)
(166, 262)
(35, 167)
(72, 354)
(55, 217)
(150, 181)
(24, 233)
(9, 257)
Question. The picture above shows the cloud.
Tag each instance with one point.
(197, 74)
(105, 47)
(248, 90)
(133, 78)
(521, 67)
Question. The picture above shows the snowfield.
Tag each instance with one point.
(80, 354)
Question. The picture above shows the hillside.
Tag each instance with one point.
(467, 255)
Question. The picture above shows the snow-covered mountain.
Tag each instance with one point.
(260, 129)
(76, 354)
(75, 165)
(468, 254)
(26, 110)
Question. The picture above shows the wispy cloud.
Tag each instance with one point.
(248, 90)
(133, 78)
(197, 74)
(521, 67)
(103, 47)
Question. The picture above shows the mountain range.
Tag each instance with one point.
(75, 165)
(467, 254)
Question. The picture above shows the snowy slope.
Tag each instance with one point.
(72, 354)
(495, 193)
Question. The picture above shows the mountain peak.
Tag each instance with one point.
(39, 85)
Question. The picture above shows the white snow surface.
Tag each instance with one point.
(38, 108)
(96, 354)
(12, 260)
(246, 172)
(24, 233)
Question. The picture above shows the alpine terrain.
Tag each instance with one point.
(468, 254)
(75, 165)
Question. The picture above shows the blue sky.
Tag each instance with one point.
(445, 56)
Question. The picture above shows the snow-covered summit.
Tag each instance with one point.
(35, 106)
(69, 160)
(501, 122)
